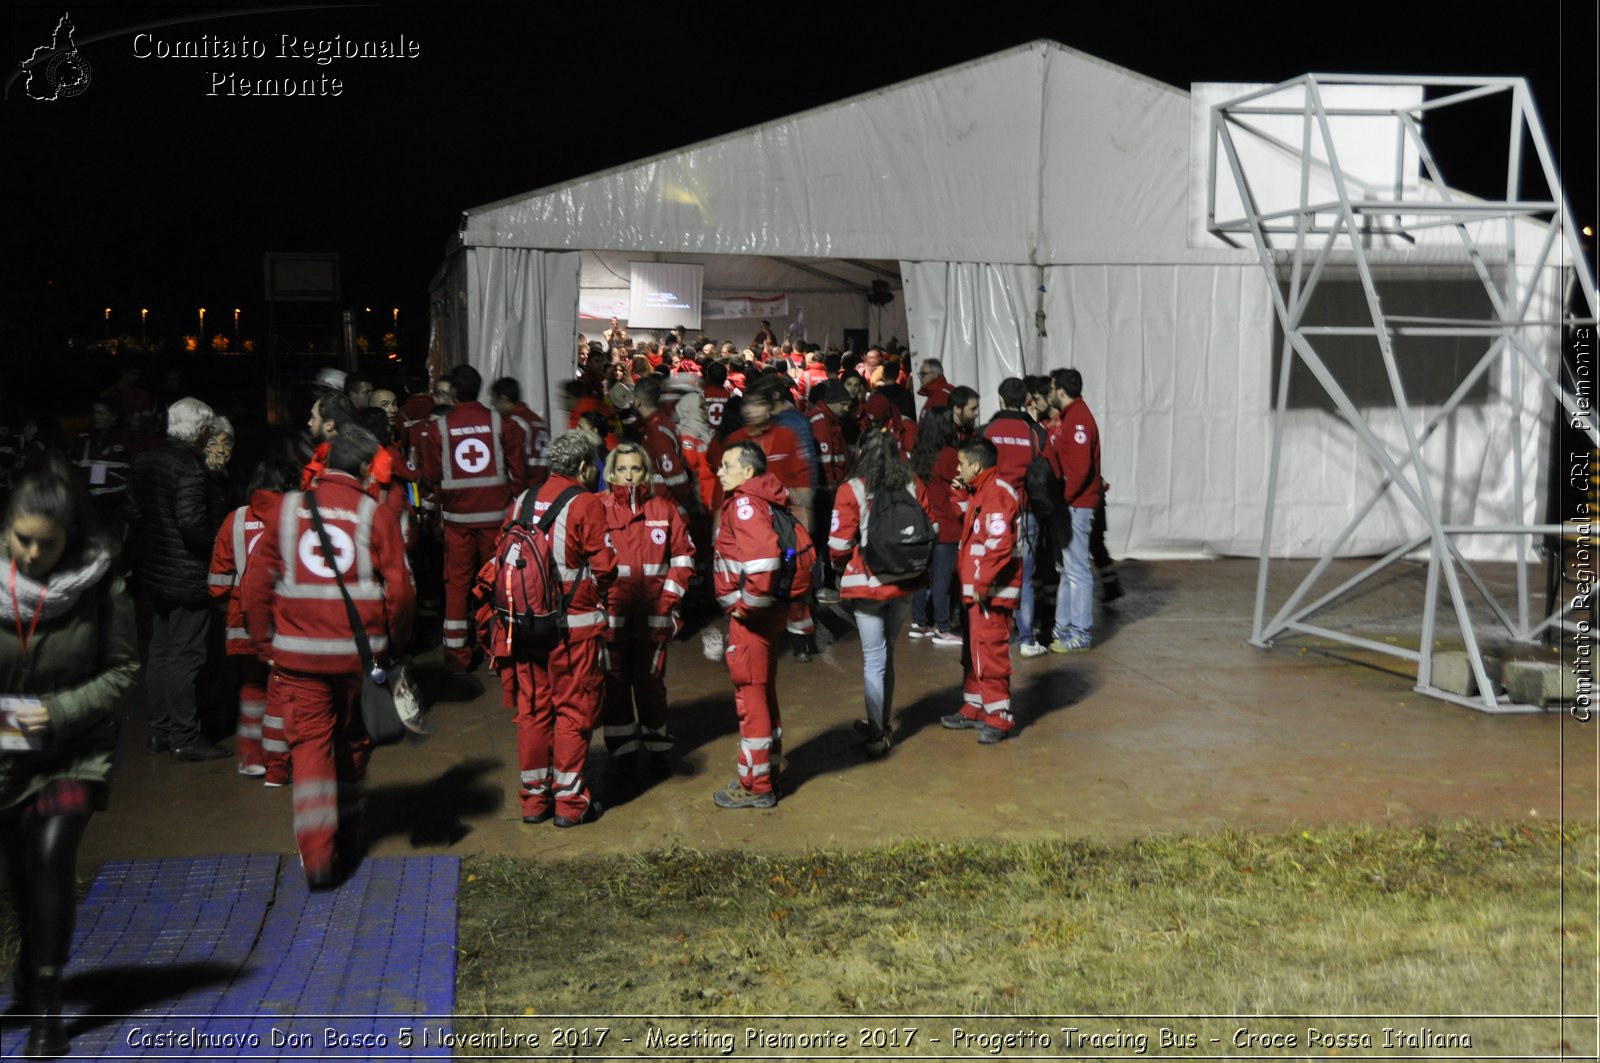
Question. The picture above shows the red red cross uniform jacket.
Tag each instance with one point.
(535, 441)
(292, 607)
(1017, 440)
(747, 562)
(660, 438)
(558, 697)
(1075, 456)
(832, 454)
(655, 559)
(991, 558)
(260, 734)
(476, 458)
(717, 399)
(937, 391)
(847, 532)
(786, 462)
(297, 619)
(241, 531)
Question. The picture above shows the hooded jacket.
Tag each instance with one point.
(991, 555)
(748, 558)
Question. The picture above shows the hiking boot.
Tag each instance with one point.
(988, 736)
(1032, 648)
(947, 638)
(956, 721)
(735, 796)
(540, 817)
(590, 814)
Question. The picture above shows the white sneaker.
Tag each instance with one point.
(921, 631)
(1033, 649)
(946, 638)
(252, 769)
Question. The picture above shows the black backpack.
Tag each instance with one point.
(897, 538)
(794, 543)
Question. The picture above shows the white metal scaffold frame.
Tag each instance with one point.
(1348, 223)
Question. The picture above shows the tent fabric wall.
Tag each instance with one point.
(972, 316)
(1177, 366)
(522, 318)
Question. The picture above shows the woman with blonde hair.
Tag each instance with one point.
(655, 559)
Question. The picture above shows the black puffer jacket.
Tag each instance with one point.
(167, 511)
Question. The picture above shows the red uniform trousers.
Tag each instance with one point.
(465, 551)
(986, 667)
(260, 733)
(753, 666)
(558, 705)
(329, 746)
(636, 680)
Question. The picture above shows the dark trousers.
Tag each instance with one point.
(41, 855)
(177, 654)
(935, 599)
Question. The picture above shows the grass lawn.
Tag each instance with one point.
(1405, 928)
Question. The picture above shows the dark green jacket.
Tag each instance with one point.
(83, 663)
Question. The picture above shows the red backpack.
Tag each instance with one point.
(524, 611)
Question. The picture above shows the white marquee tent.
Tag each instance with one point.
(1037, 202)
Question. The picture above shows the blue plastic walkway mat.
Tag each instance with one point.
(231, 957)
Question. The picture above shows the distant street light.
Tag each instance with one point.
(144, 339)
(236, 323)
(202, 343)
(108, 323)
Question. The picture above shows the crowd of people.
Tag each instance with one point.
(741, 489)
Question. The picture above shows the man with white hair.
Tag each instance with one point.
(169, 518)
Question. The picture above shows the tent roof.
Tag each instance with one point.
(1035, 154)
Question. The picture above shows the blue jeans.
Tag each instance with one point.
(940, 569)
(1075, 597)
(1027, 537)
(879, 624)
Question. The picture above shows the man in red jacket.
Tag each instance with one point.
(935, 388)
(558, 696)
(749, 569)
(990, 568)
(505, 395)
(475, 457)
(300, 626)
(1075, 458)
(660, 438)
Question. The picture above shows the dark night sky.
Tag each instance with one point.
(144, 191)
